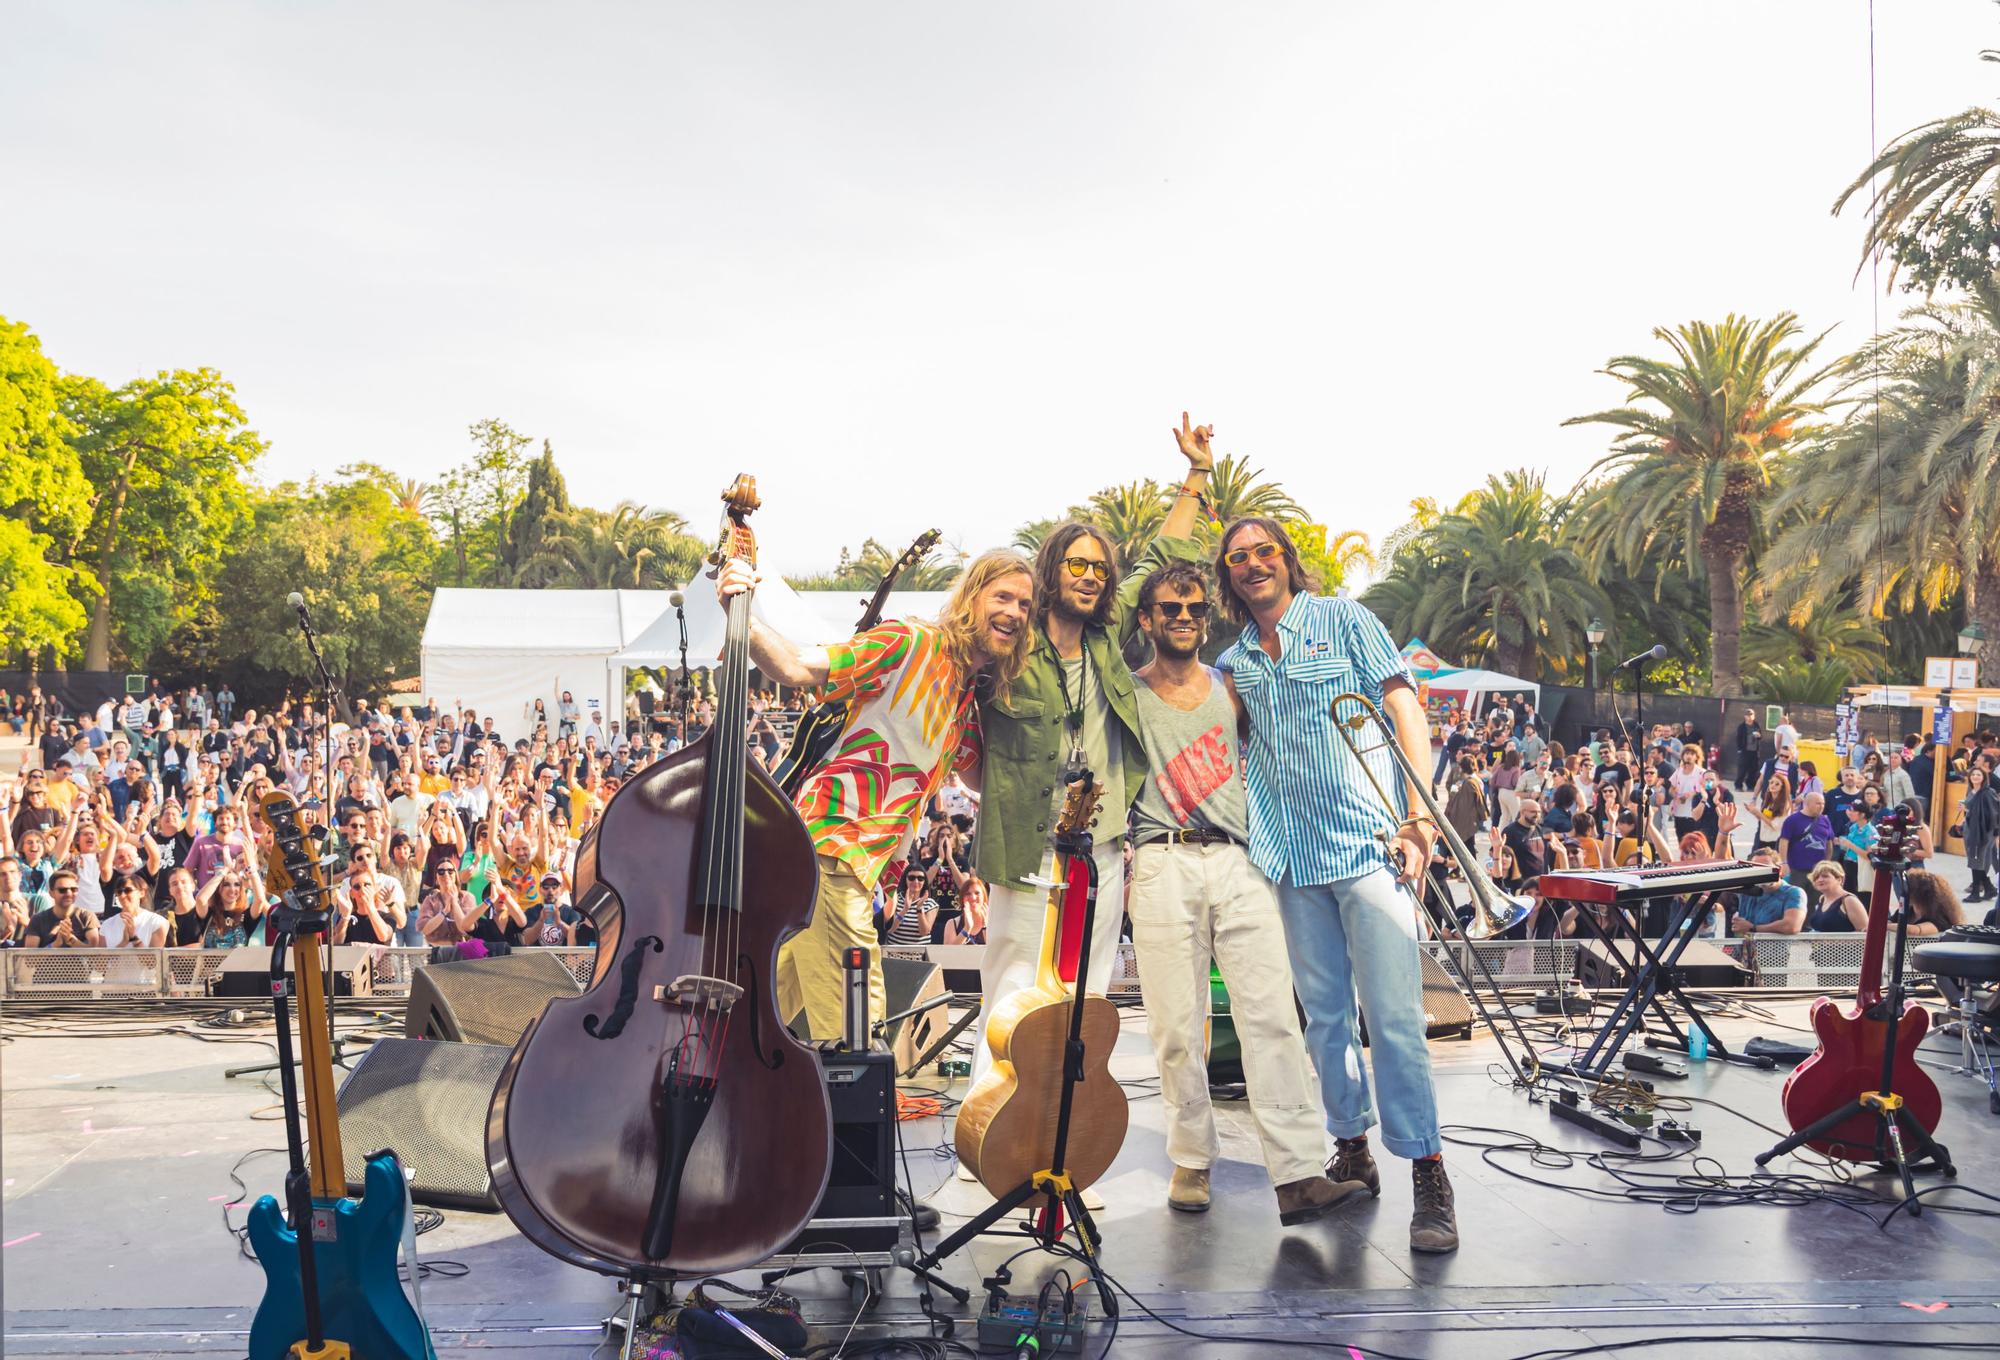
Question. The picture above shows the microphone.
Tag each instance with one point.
(1657, 652)
(298, 602)
(677, 599)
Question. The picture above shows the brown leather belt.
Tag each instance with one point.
(1193, 836)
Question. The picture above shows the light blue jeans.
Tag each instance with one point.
(1362, 933)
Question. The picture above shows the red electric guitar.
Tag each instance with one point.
(1847, 1069)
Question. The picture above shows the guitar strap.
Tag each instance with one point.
(410, 1249)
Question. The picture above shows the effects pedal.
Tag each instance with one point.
(955, 1067)
(1646, 1062)
(1007, 1324)
(1563, 1003)
(1567, 1107)
(1674, 1131)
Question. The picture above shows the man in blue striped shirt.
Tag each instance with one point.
(1344, 863)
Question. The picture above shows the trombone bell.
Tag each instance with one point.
(1497, 914)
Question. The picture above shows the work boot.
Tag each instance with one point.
(1434, 1225)
(1303, 1201)
(1188, 1191)
(1351, 1161)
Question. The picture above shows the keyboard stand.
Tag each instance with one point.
(1651, 974)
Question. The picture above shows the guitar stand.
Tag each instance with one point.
(1897, 1132)
(1059, 1194)
(1651, 973)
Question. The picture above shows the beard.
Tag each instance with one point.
(1179, 651)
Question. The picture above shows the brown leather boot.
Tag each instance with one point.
(1434, 1225)
(1188, 1191)
(1303, 1201)
(1351, 1161)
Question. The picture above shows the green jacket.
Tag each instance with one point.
(1024, 745)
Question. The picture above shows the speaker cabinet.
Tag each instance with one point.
(428, 1101)
(484, 1001)
(861, 1184)
(1701, 965)
(247, 972)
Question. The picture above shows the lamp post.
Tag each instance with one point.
(1970, 639)
(1594, 631)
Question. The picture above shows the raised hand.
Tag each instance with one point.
(1194, 442)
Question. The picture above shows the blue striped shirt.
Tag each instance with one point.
(1314, 816)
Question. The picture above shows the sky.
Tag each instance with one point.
(921, 264)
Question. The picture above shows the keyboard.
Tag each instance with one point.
(1973, 934)
(1658, 880)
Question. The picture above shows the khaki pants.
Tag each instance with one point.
(809, 971)
(1191, 903)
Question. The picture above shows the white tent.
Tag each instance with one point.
(497, 651)
(809, 618)
(1472, 686)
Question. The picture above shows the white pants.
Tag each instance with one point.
(1014, 917)
(1191, 903)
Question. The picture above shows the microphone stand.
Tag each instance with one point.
(326, 692)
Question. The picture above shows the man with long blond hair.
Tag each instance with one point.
(912, 720)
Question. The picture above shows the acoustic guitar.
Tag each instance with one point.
(1848, 1063)
(1007, 1125)
(351, 1266)
(821, 725)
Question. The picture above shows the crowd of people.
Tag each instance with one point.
(1667, 796)
(135, 823)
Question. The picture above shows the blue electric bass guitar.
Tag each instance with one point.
(331, 1293)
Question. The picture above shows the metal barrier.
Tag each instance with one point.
(1828, 963)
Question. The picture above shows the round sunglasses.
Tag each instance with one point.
(1079, 565)
(1196, 609)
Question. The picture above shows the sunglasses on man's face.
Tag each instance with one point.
(1263, 552)
(1196, 609)
(1077, 566)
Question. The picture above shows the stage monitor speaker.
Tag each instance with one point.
(861, 1183)
(484, 1001)
(427, 1101)
(1701, 965)
(1447, 1014)
(906, 983)
(247, 972)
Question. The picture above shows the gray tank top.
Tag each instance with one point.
(1194, 778)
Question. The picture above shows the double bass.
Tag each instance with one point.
(664, 1124)
(1852, 1040)
(1011, 1121)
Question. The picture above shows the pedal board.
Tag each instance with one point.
(1007, 1323)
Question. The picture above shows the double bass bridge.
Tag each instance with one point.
(696, 990)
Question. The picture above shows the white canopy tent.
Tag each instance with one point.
(1471, 687)
(812, 618)
(497, 651)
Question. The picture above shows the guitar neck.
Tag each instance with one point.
(329, 1173)
(1868, 992)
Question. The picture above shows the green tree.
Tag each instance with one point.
(497, 472)
(1236, 489)
(1932, 198)
(1694, 462)
(629, 548)
(1130, 515)
(362, 562)
(1799, 681)
(1834, 632)
(44, 499)
(1496, 581)
(169, 459)
(1905, 502)
(547, 498)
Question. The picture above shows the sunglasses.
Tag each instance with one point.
(64, 891)
(1079, 565)
(1263, 552)
(1198, 609)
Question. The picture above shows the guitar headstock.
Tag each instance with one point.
(736, 538)
(1895, 832)
(871, 610)
(293, 867)
(1080, 804)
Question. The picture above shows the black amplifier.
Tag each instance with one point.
(859, 1212)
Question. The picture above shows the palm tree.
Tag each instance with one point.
(629, 548)
(1837, 633)
(1130, 515)
(1906, 501)
(1936, 182)
(1497, 580)
(1694, 461)
(1798, 681)
(410, 495)
(1236, 489)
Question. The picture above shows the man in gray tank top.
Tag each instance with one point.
(1195, 896)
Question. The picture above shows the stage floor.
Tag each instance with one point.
(118, 1153)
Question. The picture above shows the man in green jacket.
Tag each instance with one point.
(1074, 701)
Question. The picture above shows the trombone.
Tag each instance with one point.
(1493, 911)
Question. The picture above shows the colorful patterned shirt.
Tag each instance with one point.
(911, 722)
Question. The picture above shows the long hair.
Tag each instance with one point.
(1932, 898)
(962, 627)
(1049, 571)
(1295, 571)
